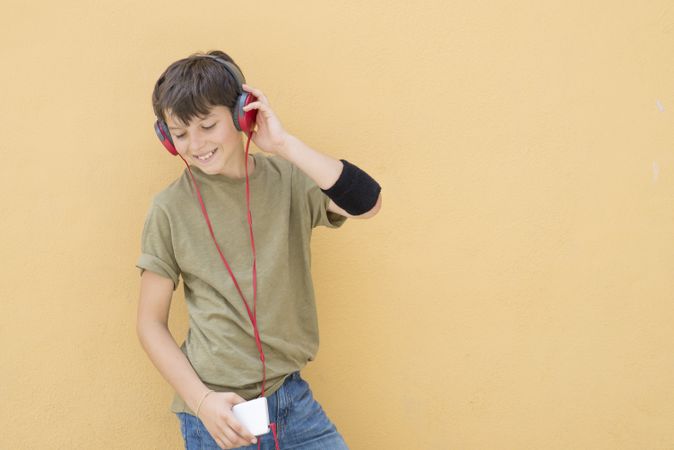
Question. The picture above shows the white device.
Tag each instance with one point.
(253, 415)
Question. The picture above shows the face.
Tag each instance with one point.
(213, 132)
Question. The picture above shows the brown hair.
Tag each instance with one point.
(191, 86)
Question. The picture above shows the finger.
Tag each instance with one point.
(256, 92)
(236, 439)
(221, 437)
(235, 399)
(232, 438)
(222, 443)
(259, 106)
(239, 429)
(252, 105)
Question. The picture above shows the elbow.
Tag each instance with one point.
(141, 332)
(147, 327)
(375, 209)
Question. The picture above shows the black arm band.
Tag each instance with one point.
(354, 191)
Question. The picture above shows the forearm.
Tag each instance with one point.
(158, 343)
(352, 190)
(323, 169)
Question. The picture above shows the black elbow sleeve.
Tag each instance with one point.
(355, 191)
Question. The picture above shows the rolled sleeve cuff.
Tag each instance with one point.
(156, 265)
(331, 219)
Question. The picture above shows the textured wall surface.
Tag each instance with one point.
(515, 292)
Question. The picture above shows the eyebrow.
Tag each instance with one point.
(202, 118)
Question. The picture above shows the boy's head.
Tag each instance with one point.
(196, 98)
(191, 86)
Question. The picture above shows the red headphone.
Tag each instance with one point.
(243, 120)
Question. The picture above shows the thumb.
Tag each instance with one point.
(235, 399)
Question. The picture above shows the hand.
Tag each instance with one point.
(269, 134)
(216, 414)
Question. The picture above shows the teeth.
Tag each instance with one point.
(206, 156)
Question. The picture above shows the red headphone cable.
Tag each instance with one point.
(252, 315)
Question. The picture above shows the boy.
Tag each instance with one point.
(292, 191)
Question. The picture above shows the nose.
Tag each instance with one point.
(196, 142)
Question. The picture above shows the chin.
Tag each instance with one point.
(215, 168)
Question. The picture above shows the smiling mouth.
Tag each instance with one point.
(207, 157)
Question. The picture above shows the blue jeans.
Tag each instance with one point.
(301, 423)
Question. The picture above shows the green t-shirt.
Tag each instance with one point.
(286, 204)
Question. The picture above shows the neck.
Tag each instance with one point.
(235, 166)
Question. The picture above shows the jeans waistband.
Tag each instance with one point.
(295, 375)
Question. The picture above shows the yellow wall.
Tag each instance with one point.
(515, 292)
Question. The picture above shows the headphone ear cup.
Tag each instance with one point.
(245, 120)
(165, 136)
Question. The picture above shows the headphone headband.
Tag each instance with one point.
(232, 69)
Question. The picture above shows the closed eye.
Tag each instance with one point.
(183, 135)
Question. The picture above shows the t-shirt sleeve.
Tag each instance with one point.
(157, 246)
(316, 202)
